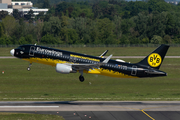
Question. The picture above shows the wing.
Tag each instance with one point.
(84, 66)
(90, 66)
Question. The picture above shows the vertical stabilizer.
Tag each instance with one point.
(155, 58)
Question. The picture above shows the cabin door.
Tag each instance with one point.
(31, 51)
(134, 70)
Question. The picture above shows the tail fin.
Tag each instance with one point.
(155, 58)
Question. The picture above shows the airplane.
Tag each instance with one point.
(66, 62)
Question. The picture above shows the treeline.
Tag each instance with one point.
(38, 3)
(102, 22)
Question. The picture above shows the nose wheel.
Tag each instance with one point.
(29, 68)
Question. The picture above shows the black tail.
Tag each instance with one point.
(155, 58)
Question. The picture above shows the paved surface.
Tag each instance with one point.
(100, 110)
(5, 57)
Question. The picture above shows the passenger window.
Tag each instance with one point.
(23, 48)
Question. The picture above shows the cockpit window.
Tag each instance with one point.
(23, 48)
(19, 47)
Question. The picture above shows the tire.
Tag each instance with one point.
(81, 78)
(28, 68)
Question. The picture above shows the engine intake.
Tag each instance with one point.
(64, 69)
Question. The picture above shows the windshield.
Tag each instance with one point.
(21, 48)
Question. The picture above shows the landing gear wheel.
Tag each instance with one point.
(81, 78)
(28, 68)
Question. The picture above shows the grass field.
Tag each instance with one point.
(43, 83)
(116, 51)
(23, 116)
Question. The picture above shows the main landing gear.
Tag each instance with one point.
(81, 77)
(29, 68)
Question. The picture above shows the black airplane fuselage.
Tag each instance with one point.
(149, 67)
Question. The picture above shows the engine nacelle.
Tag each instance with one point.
(62, 68)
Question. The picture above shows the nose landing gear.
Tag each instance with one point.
(29, 68)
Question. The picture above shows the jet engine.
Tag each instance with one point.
(64, 69)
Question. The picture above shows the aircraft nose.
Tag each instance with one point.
(12, 52)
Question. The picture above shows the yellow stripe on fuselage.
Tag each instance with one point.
(110, 73)
(100, 71)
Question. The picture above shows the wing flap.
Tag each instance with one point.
(93, 71)
(90, 66)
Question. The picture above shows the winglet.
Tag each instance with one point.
(103, 54)
(107, 59)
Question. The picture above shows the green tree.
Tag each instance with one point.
(38, 4)
(117, 24)
(79, 12)
(176, 40)
(51, 11)
(145, 40)
(53, 26)
(126, 24)
(20, 30)
(49, 39)
(156, 39)
(46, 4)
(3, 14)
(136, 7)
(63, 7)
(30, 16)
(81, 27)
(152, 24)
(9, 25)
(40, 16)
(93, 33)
(28, 39)
(1, 30)
(29, 30)
(4, 40)
(64, 29)
(162, 7)
(16, 14)
(106, 27)
(22, 41)
(167, 39)
(134, 40)
(152, 5)
(38, 30)
(72, 36)
(124, 40)
(141, 25)
(172, 25)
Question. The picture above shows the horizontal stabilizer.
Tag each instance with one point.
(103, 54)
(155, 72)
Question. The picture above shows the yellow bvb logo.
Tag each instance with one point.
(154, 60)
